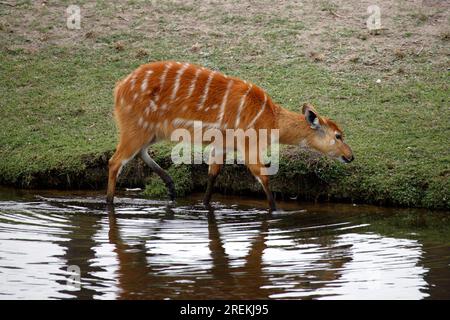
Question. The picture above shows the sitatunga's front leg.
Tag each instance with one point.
(216, 160)
(213, 172)
(264, 181)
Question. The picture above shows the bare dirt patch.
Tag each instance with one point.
(330, 32)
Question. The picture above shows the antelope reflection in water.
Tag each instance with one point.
(139, 279)
(145, 251)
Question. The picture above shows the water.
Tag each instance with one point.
(147, 250)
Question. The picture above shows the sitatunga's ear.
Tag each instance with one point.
(311, 116)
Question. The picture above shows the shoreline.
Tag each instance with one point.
(303, 176)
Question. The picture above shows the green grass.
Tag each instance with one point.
(56, 107)
(182, 176)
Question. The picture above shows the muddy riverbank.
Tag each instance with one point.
(302, 176)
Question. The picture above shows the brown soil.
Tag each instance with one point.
(333, 33)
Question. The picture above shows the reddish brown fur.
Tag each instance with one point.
(142, 122)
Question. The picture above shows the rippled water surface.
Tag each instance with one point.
(145, 249)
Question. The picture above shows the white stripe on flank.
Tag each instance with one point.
(152, 105)
(177, 80)
(205, 91)
(181, 122)
(162, 80)
(224, 103)
(259, 113)
(144, 84)
(241, 106)
(193, 83)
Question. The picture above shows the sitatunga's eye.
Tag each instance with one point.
(338, 136)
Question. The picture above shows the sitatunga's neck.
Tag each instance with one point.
(293, 127)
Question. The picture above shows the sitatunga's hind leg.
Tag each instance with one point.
(122, 156)
(162, 174)
(213, 172)
(131, 142)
